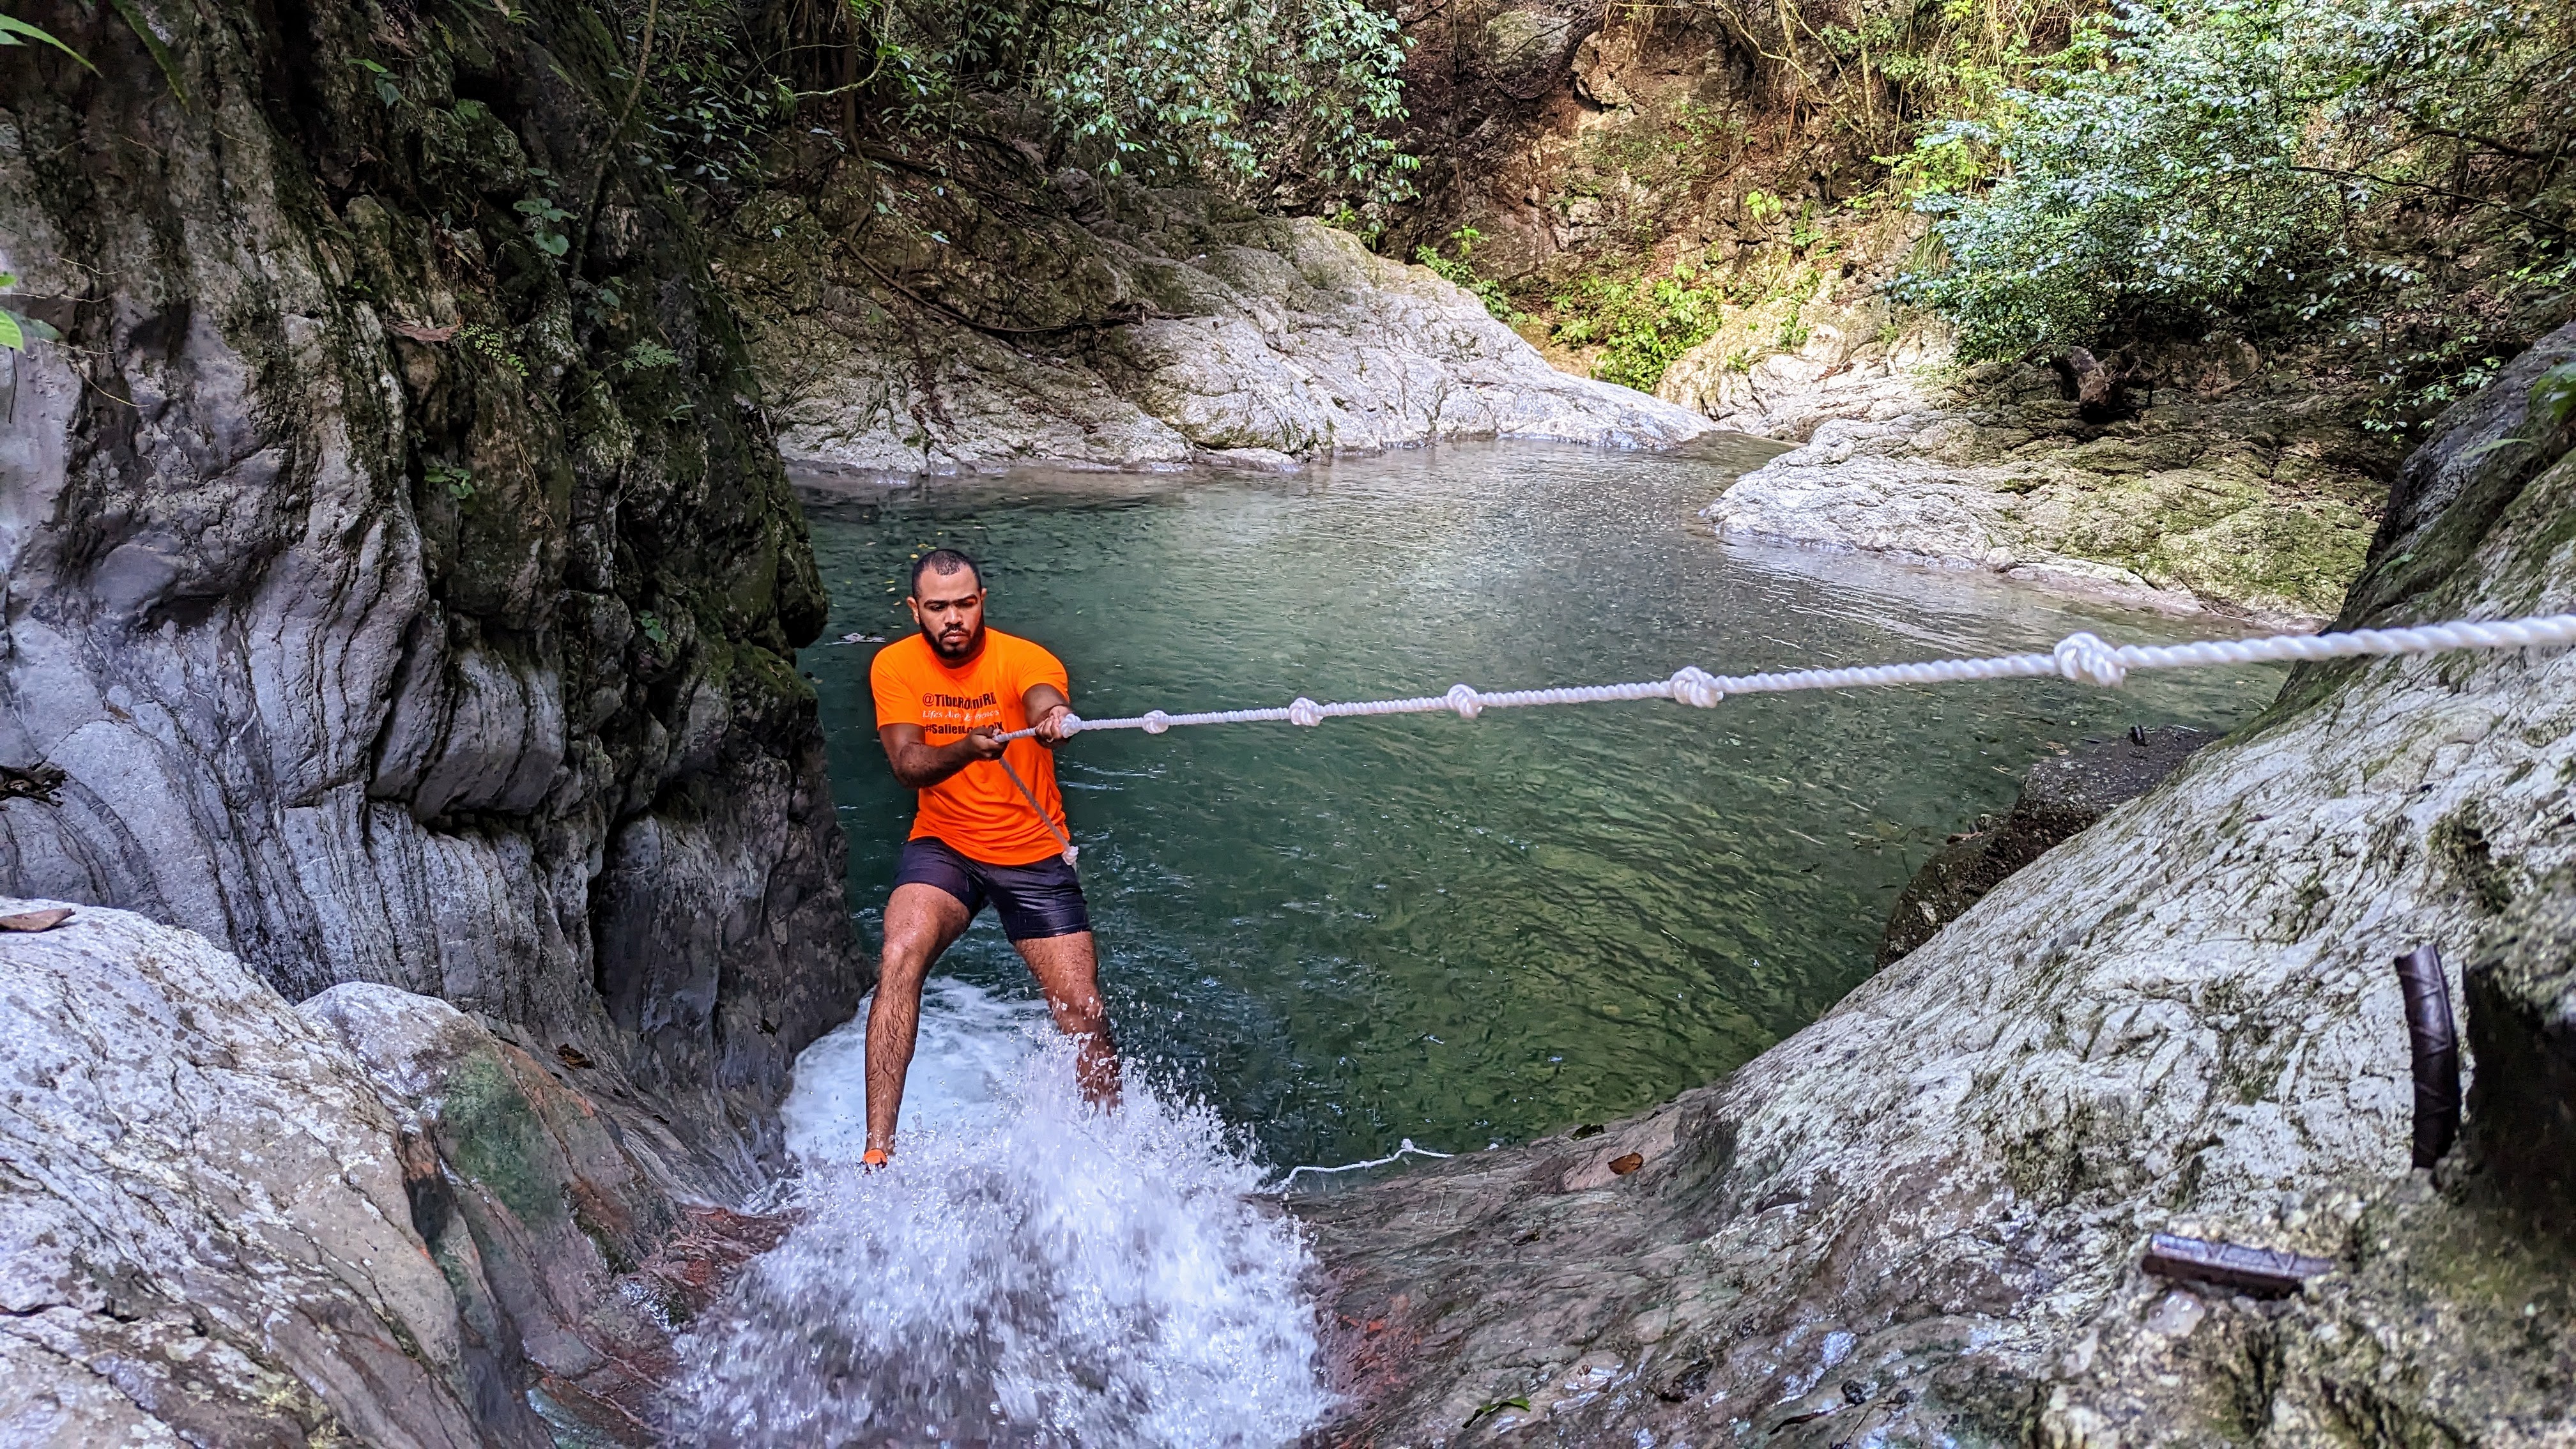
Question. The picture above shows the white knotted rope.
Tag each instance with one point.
(2079, 657)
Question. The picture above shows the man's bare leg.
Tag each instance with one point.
(921, 922)
(1068, 972)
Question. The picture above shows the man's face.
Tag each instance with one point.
(950, 610)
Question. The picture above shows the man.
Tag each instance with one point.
(991, 827)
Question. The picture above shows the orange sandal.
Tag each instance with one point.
(874, 1158)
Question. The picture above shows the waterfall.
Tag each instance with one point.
(1029, 1272)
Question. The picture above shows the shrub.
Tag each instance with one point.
(1462, 271)
(2164, 185)
(2263, 159)
(1641, 324)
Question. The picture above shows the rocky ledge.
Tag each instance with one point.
(1120, 327)
(369, 1219)
(1922, 1219)
(2237, 490)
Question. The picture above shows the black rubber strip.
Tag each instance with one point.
(2435, 1042)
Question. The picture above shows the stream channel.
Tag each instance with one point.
(1317, 943)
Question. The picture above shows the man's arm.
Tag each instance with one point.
(920, 764)
(1047, 707)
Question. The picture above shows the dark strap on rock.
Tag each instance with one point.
(2435, 1043)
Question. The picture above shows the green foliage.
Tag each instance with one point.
(493, 346)
(2163, 186)
(1228, 91)
(14, 31)
(2553, 397)
(1462, 270)
(134, 21)
(458, 481)
(545, 224)
(718, 91)
(17, 329)
(2191, 159)
(653, 628)
(646, 355)
(1235, 93)
(1641, 324)
(386, 90)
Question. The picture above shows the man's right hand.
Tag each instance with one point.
(980, 744)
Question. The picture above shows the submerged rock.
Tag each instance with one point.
(2058, 797)
(1920, 1219)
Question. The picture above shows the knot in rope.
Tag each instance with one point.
(1072, 724)
(2087, 660)
(1156, 721)
(1696, 686)
(1462, 698)
(1304, 711)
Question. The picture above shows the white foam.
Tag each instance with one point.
(1030, 1271)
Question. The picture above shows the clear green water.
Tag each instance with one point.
(1450, 931)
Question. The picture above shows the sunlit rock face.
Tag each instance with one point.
(1122, 327)
(1920, 1219)
(2249, 495)
(372, 599)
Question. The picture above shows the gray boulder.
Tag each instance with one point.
(207, 1233)
(2250, 498)
(1172, 328)
(366, 1220)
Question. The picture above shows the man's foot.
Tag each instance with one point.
(874, 1158)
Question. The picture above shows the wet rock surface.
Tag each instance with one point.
(2247, 493)
(1133, 328)
(1920, 1219)
(366, 1220)
(395, 587)
(2059, 797)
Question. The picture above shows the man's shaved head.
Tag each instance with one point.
(948, 603)
(943, 561)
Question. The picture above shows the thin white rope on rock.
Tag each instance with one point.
(2082, 658)
(1403, 1146)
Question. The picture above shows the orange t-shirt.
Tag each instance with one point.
(978, 811)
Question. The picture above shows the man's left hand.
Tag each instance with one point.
(1050, 726)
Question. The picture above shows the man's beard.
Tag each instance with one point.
(962, 651)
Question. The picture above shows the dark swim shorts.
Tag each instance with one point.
(1034, 901)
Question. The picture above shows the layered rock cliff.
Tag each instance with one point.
(904, 327)
(1921, 1219)
(398, 578)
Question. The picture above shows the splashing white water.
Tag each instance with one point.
(1029, 1272)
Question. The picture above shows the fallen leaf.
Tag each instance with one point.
(35, 920)
(573, 1056)
(423, 332)
(1628, 1164)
